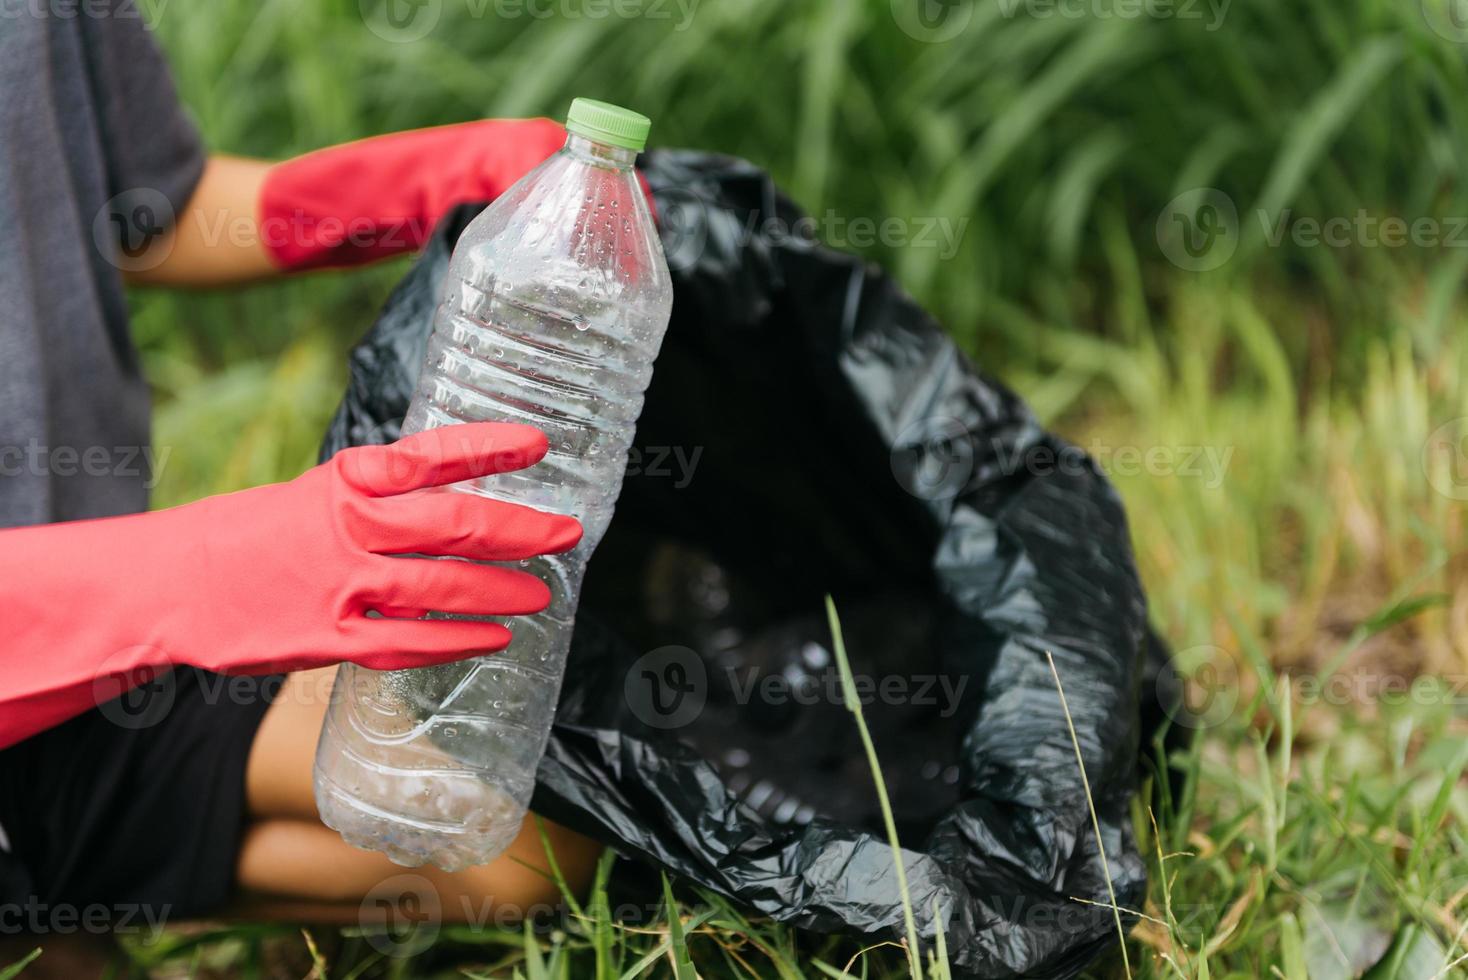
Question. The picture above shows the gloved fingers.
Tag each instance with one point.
(448, 454)
(402, 644)
(450, 586)
(464, 525)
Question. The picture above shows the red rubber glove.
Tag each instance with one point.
(277, 578)
(377, 197)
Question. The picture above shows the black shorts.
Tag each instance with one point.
(132, 810)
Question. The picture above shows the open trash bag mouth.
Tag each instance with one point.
(810, 430)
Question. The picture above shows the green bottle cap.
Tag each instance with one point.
(607, 123)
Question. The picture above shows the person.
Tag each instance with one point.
(200, 801)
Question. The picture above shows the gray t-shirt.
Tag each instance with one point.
(94, 148)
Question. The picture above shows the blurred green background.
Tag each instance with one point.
(1135, 183)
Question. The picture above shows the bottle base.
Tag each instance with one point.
(412, 843)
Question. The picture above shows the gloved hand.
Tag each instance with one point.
(276, 578)
(376, 197)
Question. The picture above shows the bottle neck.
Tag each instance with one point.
(599, 154)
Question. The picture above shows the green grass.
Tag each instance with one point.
(1319, 837)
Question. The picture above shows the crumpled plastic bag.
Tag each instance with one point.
(811, 430)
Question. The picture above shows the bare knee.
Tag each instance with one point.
(289, 860)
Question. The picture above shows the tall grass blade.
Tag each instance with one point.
(853, 704)
(1091, 805)
(677, 941)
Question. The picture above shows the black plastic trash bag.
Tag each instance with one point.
(811, 430)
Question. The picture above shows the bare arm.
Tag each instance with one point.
(216, 240)
(339, 206)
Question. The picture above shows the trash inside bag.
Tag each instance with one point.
(810, 430)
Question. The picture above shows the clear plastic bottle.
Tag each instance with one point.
(553, 310)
